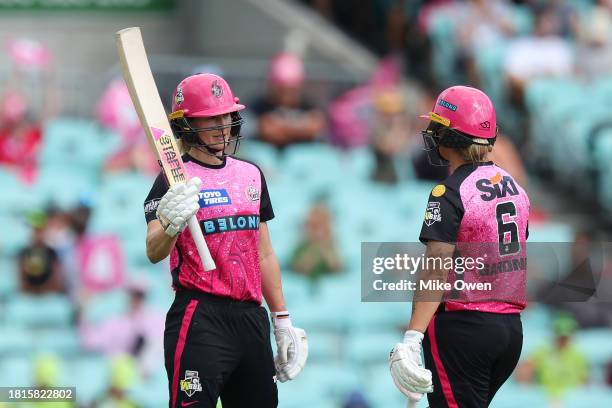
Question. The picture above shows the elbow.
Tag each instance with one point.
(152, 255)
(153, 258)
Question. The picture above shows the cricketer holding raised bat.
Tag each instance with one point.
(217, 337)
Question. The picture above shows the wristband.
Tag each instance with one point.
(282, 314)
(281, 319)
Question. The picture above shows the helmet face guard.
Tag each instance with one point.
(439, 134)
(184, 131)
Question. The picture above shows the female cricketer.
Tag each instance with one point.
(217, 335)
(472, 338)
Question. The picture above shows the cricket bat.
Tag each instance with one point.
(145, 96)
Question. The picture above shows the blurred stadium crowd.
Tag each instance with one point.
(80, 305)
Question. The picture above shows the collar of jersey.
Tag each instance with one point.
(221, 165)
(487, 163)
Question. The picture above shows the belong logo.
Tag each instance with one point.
(447, 105)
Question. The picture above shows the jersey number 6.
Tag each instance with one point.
(508, 229)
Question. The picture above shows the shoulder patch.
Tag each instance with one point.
(432, 213)
(438, 191)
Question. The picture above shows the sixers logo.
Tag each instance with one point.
(252, 193)
(216, 89)
(179, 98)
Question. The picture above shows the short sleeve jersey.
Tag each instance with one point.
(234, 199)
(485, 213)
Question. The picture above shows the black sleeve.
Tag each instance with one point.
(442, 216)
(160, 187)
(266, 213)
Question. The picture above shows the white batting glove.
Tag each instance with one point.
(178, 205)
(291, 347)
(406, 365)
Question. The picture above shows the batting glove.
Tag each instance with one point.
(291, 347)
(406, 365)
(178, 205)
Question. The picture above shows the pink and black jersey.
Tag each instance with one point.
(485, 212)
(234, 199)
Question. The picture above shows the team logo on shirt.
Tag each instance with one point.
(213, 197)
(252, 193)
(433, 213)
(191, 384)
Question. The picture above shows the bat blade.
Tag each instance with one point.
(145, 96)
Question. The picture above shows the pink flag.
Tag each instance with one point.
(100, 263)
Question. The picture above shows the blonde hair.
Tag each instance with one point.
(476, 153)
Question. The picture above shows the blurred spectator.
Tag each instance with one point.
(138, 332)
(559, 367)
(116, 112)
(40, 270)
(46, 375)
(352, 115)
(284, 116)
(63, 232)
(20, 136)
(544, 54)
(123, 376)
(390, 133)
(480, 24)
(564, 12)
(316, 253)
(594, 52)
(377, 24)
(356, 400)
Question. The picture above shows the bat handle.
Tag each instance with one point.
(412, 403)
(198, 238)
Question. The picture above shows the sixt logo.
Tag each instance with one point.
(496, 187)
(447, 105)
(210, 198)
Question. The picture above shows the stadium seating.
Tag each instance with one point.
(38, 311)
(16, 371)
(589, 397)
(518, 395)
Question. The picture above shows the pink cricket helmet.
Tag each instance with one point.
(467, 110)
(204, 95)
